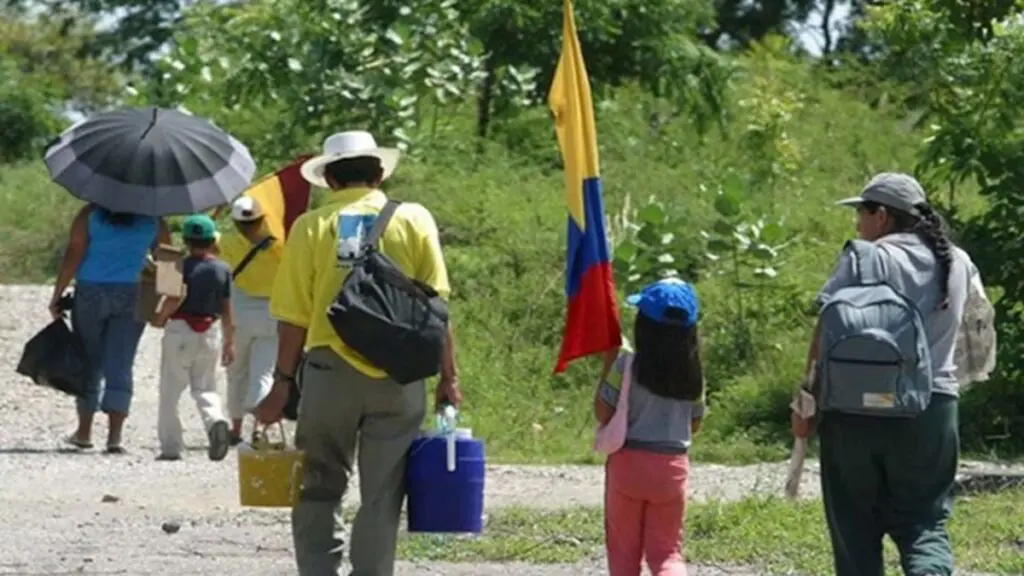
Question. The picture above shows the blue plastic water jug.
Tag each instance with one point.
(440, 500)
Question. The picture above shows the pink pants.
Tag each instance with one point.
(644, 507)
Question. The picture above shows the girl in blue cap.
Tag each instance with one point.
(645, 480)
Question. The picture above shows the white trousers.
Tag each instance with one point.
(188, 360)
(251, 375)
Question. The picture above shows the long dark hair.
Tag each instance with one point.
(931, 228)
(116, 218)
(667, 360)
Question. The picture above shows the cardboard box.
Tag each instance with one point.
(160, 279)
(169, 279)
(148, 300)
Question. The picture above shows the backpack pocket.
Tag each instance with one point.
(866, 373)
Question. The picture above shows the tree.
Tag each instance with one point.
(141, 28)
(44, 74)
(650, 42)
(969, 20)
(307, 67)
(741, 23)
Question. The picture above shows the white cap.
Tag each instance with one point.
(246, 209)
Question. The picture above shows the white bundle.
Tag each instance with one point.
(805, 407)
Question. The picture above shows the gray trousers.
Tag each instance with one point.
(891, 476)
(341, 408)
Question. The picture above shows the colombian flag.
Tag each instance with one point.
(283, 195)
(592, 316)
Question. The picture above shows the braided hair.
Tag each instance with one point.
(931, 228)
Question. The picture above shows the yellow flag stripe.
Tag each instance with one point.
(571, 103)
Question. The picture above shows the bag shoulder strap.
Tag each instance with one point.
(380, 224)
(262, 244)
(865, 261)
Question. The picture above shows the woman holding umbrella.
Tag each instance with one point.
(132, 167)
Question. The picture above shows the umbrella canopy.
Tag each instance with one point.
(150, 161)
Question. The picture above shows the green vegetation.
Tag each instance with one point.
(720, 164)
(777, 536)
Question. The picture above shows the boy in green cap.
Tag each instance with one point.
(194, 340)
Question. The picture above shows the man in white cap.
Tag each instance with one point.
(254, 256)
(345, 399)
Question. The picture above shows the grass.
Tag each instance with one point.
(777, 536)
(502, 218)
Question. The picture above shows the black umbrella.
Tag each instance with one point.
(150, 161)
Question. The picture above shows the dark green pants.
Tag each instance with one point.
(890, 476)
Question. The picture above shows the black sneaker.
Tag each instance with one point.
(220, 441)
(235, 440)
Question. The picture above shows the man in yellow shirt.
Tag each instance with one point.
(345, 399)
(254, 256)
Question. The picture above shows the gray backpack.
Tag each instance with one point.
(873, 355)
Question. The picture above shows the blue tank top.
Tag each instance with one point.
(116, 254)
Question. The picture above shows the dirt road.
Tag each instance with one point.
(88, 513)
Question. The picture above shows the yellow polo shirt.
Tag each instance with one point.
(313, 267)
(257, 280)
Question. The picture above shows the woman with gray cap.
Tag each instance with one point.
(882, 374)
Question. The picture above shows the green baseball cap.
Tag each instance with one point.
(199, 227)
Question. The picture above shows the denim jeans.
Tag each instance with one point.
(104, 317)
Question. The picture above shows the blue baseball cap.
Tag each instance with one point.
(668, 301)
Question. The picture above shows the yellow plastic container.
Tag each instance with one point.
(269, 473)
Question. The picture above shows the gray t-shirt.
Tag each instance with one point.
(909, 266)
(656, 424)
(209, 284)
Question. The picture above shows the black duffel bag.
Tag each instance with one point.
(397, 323)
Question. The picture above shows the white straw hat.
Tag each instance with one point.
(351, 144)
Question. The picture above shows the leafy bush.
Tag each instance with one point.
(24, 114)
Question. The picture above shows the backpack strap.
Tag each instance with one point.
(261, 245)
(379, 225)
(865, 261)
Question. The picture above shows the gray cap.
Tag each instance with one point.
(892, 189)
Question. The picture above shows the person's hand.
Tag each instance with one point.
(271, 408)
(54, 307)
(447, 392)
(227, 355)
(804, 409)
(802, 427)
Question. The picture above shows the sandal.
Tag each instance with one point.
(80, 444)
(116, 449)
